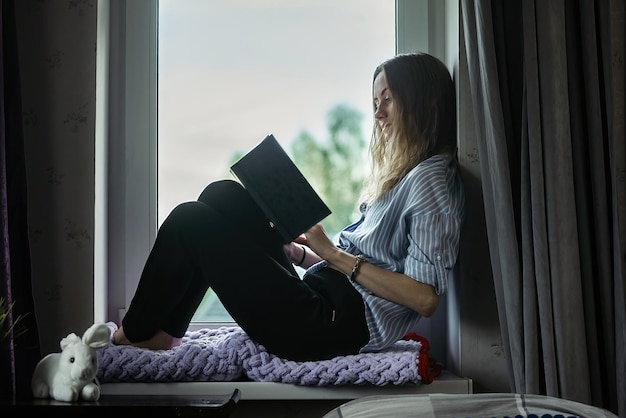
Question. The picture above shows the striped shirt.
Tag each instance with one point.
(413, 229)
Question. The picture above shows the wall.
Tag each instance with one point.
(57, 50)
(57, 47)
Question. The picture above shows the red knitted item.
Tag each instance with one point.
(427, 367)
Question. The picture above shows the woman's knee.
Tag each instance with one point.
(183, 214)
(232, 200)
(197, 222)
(222, 189)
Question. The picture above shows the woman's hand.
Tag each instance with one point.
(304, 251)
(300, 253)
(319, 242)
(294, 251)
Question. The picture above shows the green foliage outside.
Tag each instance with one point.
(335, 166)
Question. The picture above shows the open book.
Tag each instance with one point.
(280, 189)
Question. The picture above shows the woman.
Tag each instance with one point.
(360, 294)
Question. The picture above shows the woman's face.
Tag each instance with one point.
(384, 110)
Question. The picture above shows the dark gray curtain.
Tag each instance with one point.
(547, 85)
(19, 351)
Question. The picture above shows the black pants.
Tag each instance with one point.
(224, 242)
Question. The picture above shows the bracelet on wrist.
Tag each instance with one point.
(303, 256)
(357, 264)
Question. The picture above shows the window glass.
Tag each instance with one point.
(231, 72)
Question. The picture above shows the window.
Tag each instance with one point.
(232, 72)
(131, 181)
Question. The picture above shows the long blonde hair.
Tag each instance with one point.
(425, 101)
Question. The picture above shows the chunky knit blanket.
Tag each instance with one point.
(229, 354)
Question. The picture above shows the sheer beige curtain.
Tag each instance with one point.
(547, 85)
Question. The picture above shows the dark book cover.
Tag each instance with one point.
(280, 189)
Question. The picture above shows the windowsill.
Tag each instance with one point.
(446, 382)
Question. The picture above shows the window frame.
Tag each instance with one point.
(126, 166)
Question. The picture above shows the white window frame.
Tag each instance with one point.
(126, 165)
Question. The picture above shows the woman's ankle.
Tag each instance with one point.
(159, 341)
(119, 337)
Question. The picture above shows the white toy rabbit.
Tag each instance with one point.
(71, 374)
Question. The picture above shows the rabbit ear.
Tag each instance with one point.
(70, 339)
(97, 335)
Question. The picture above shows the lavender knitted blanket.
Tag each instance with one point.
(229, 354)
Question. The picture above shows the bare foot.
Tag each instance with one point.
(119, 338)
(159, 341)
